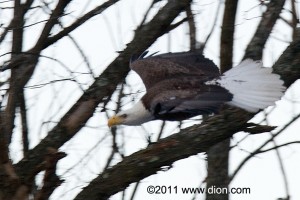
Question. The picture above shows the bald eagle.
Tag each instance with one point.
(184, 85)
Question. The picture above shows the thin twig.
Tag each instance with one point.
(261, 146)
(96, 11)
(203, 45)
(277, 147)
(280, 161)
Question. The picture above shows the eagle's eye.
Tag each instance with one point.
(123, 115)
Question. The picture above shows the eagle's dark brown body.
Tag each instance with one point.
(178, 100)
(176, 87)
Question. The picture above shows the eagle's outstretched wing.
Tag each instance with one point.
(154, 69)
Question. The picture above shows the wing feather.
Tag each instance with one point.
(153, 69)
(168, 102)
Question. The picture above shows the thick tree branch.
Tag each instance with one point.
(9, 178)
(51, 181)
(227, 35)
(11, 25)
(255, 47)
(22, 67)
(192, 27)
(103, 86)
(218, 155)
(22, 71)
(17, 44)
(263, 31)
(287, 66)
(190, 141)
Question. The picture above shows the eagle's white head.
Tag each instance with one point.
(134, 116)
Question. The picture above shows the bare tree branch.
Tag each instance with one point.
(190, 141)
(277, 147)
(6, 30)
(20, 177)
(287, 66)
(280, 161)
(192, 28)
(83, 55)
(23, 112)
(8, 174)
(202, 47)
(255, 48)
(227, 35)
(51, 180)
(295, 17)
(53, 19)
(96, 11)
(258, 150)
(218, 155)
(24, 8)
(17, 45)
(146, 13)
(103, 86)
(113, 130)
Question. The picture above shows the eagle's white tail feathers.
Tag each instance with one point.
(253, 87)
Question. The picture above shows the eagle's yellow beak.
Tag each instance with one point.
(115, 120)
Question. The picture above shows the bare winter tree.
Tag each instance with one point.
(34, 140)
